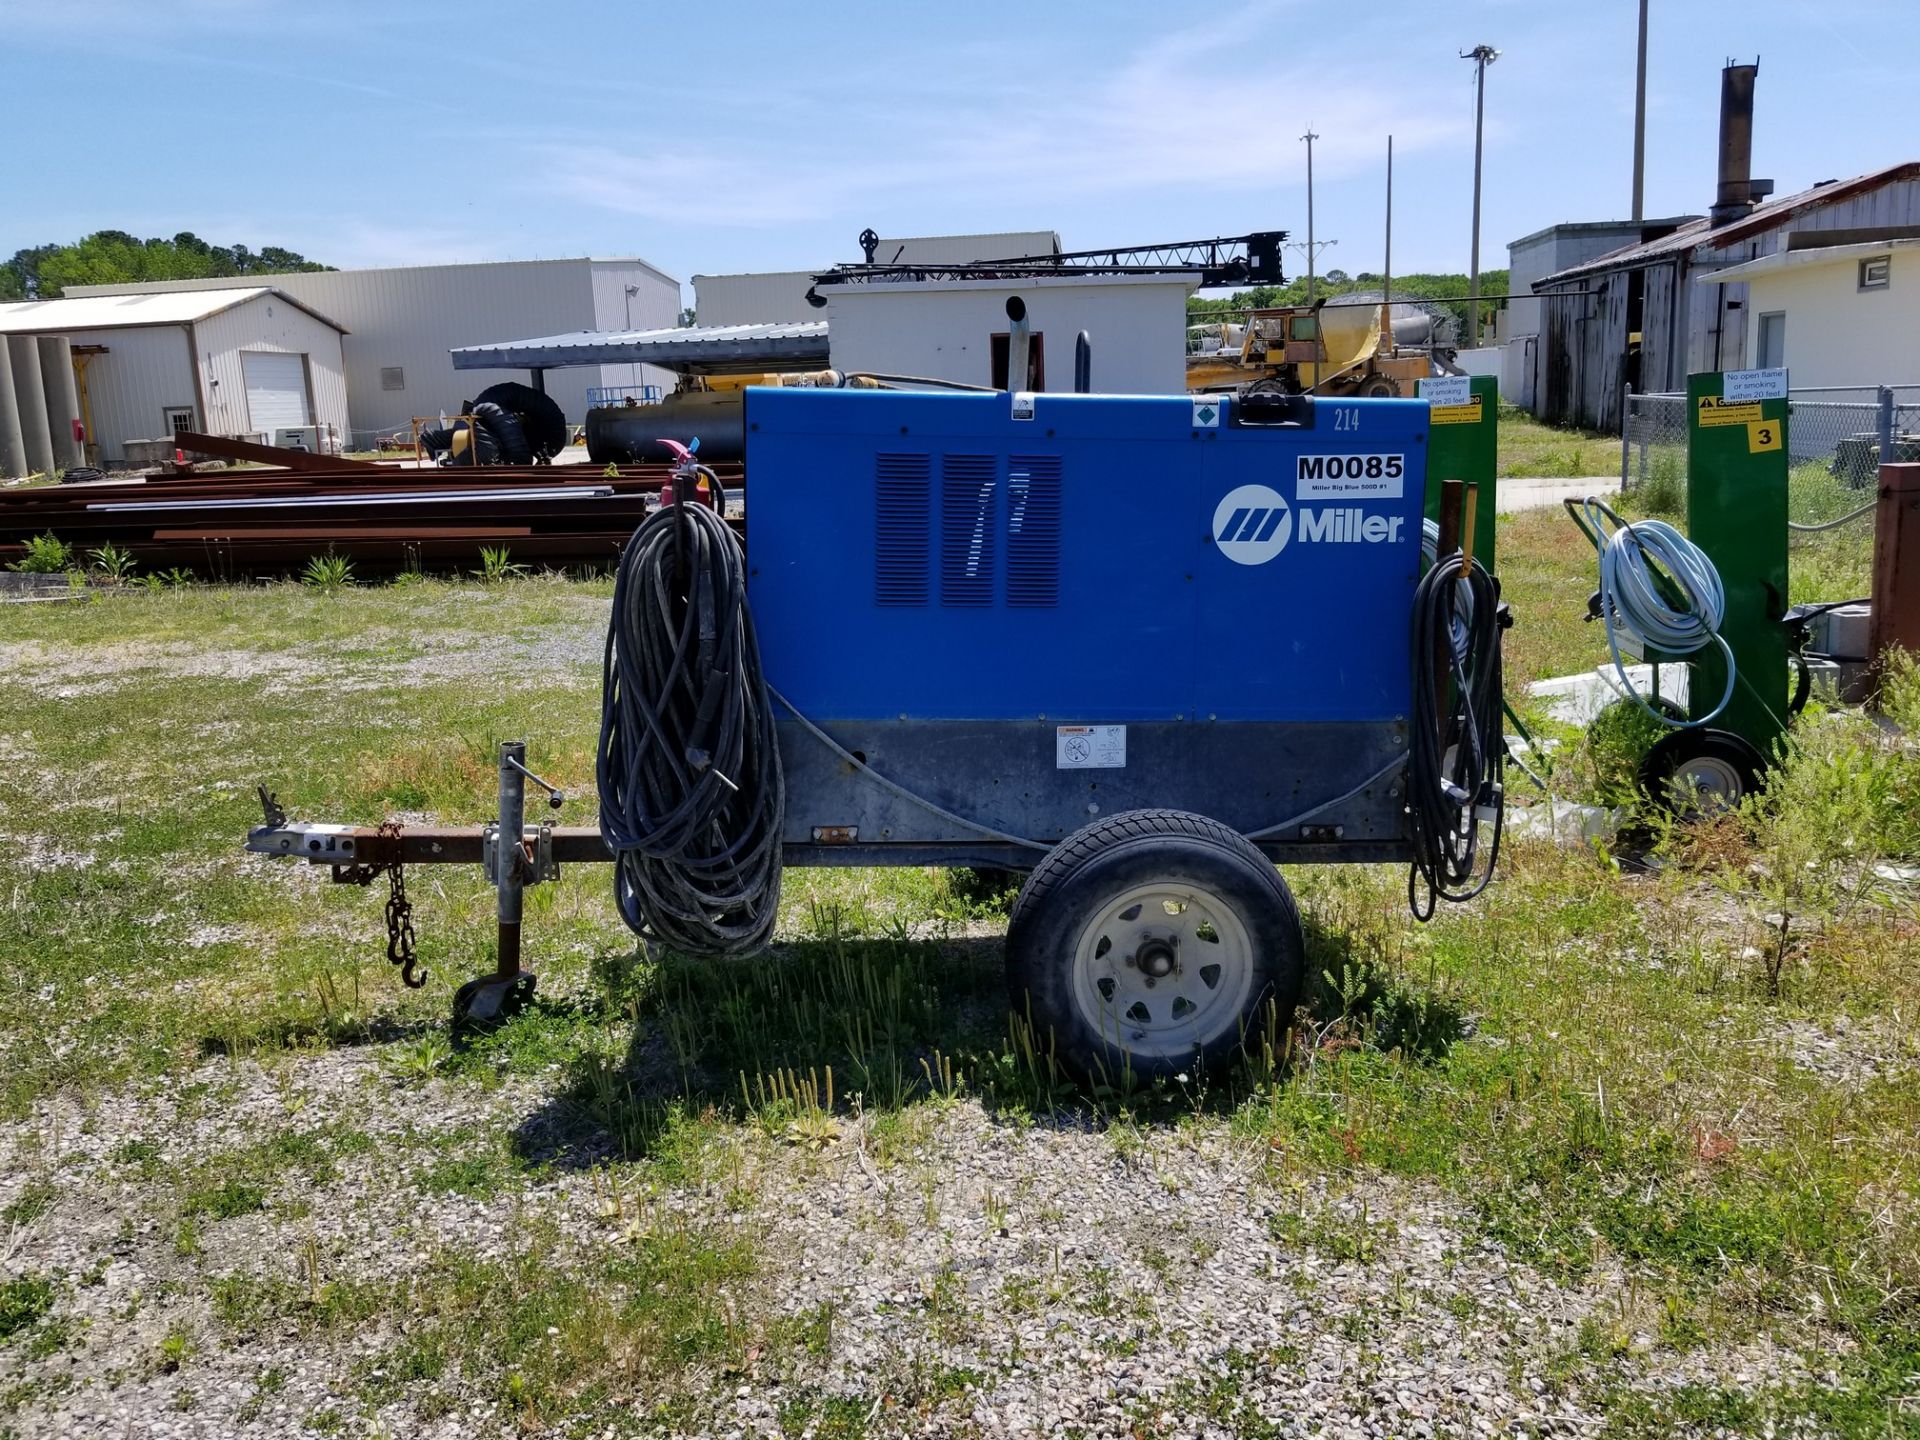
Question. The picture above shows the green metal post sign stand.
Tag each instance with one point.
(1464, 445)
(1737, 513)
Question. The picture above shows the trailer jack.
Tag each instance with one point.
(357, 855)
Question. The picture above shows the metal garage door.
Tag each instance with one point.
(276, 391)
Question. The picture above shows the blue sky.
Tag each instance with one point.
(715, 137)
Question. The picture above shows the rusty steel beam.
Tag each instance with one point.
(231, 449)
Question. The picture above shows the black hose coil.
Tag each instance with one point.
(1456, 767)
(692, 798)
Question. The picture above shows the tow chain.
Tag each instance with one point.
(400, 935)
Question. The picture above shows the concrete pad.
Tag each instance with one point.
(1562, 820)
(1577, 699)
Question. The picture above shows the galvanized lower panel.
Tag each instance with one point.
(1005, 775)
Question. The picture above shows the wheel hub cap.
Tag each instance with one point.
(1163, 968)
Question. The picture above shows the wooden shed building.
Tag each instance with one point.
(1646, 315)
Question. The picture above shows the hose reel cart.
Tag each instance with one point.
(1143, 647)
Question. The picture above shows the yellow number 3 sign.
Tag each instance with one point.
(1762, 435)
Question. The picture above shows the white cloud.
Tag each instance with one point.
(1184, 113)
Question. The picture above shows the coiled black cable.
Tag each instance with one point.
(1457, 761)
(691, 793)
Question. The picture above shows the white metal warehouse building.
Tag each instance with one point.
(957, 329)
(235, 360)
(401, 323)
(780, 297)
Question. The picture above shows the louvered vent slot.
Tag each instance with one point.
(902, 528)
(1033, 529)
(967, 484)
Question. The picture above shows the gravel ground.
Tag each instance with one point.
(1165, 1281)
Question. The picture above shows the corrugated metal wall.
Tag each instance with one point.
(408, 319)
(267, 323)
(130, 388)
(778, 297)
(654, 305)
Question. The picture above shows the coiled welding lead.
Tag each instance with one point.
(1456, 762)
(692, 798)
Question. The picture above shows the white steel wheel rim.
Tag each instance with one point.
(1706, 785)
(1189, 943)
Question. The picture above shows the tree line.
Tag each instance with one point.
(1335, 283)
(113, 257)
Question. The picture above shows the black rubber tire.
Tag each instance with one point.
(1378, 387)
(506, 430)
(1673, 753)
(1108, 857)
(542, 420)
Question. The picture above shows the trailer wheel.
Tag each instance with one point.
(1698, 773)
(1151, 941)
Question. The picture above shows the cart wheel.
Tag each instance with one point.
(1150, 941)
(1696, 773)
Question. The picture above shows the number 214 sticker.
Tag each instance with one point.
(1762, 435)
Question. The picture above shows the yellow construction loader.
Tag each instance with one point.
(1296, 349)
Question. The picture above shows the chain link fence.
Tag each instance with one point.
(1836, 436)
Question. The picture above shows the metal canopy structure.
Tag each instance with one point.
(693, 349)
(1252, 259)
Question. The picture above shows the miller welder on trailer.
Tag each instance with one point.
(1142, 647)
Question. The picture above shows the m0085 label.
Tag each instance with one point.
(1351, 477)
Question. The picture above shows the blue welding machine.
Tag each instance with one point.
(1137, 648)
(1026, 613)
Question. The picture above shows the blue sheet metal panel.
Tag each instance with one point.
(1112, 559)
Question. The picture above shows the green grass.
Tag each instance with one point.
(1591, 1061)
(1531, 449)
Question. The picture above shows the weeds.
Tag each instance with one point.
(156, 581)
(23, 1302)
(327, 573)
(45, 555)
(497, 564)
(113, 563)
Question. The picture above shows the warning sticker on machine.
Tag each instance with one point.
(1467, 414)
(1715, 411)
(1090, 747)
(1351, 477)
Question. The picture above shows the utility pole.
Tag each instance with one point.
(1482, 56)
(1386, 285)
(1311, 249)
(1640, 121)
(1310, 137)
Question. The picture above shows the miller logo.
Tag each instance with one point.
(1252, 524)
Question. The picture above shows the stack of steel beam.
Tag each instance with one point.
(232, 524)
